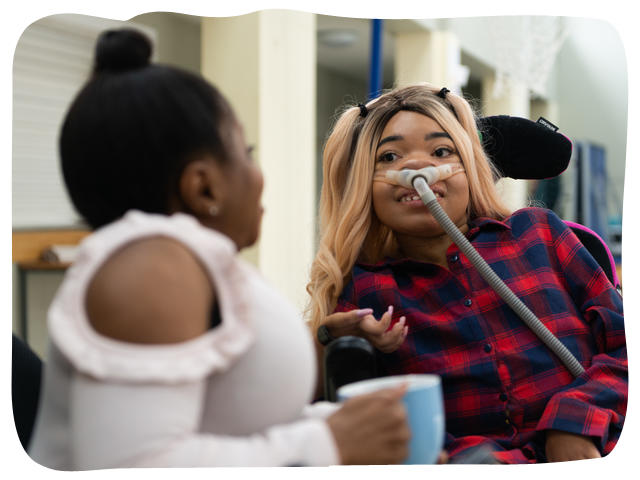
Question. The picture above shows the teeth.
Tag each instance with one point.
(409, 198)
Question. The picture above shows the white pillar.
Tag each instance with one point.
(432, 57)
(265, 64)
(546, 109)
(513, 100)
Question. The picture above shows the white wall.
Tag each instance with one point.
(178, 38)
(592, 93)
(587, 84)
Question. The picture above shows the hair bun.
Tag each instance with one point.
(121, 50)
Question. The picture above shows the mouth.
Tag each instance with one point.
(413, 196)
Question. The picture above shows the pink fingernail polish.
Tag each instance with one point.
(364, 311)
(390, 309)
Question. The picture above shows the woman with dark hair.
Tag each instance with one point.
(165, 348)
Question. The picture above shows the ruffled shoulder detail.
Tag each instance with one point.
(101, 357)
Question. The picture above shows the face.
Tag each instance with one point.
(241, 213)
(412, 140)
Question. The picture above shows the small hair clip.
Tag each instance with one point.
(363, 110)
(443, 92)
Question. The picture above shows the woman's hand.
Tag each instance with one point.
(362, 323)
(372, 428)
(341, 324)
(443, 458)
(564, 446)
(376, 332)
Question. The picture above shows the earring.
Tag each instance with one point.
(214, 210)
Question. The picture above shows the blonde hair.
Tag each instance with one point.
(349, 229)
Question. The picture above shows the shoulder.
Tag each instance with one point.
(152, 290)
(366, 278)
(532, 214)
(535, 220)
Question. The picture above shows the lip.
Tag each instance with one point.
(413, 204)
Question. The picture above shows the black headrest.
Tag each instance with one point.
(523, 149)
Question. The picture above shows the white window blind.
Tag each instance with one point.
(52, 61)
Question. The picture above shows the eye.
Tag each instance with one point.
(387, 157)
(442, 152)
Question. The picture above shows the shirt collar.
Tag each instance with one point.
(485, 223)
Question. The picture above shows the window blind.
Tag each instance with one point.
(52, 61)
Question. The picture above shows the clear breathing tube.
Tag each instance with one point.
(420, 181)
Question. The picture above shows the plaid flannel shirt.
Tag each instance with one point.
(502, 387)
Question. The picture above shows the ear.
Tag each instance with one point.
(201, 186)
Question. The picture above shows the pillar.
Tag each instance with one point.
(265, 64)
(429, 56)
(513, 100)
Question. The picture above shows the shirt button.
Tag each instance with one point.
(503, 397)
(468, 302)
(487, 348)
(455, 258)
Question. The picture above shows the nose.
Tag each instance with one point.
(415, 162)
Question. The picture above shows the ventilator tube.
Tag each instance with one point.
(420, 181)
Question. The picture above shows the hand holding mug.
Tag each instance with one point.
(424, 405)
(372, 428)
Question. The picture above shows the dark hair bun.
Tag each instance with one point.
(121, 50)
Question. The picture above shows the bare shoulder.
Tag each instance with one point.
(153, 291)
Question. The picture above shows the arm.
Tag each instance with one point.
(479, 449)
(153, 425)
(158, 426)
(592, 406)
(154, 293)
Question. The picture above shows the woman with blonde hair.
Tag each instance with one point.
(385, 270)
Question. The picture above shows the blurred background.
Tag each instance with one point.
(287, 74)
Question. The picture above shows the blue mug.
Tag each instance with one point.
(425, 411)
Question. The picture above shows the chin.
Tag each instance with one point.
(251, 240)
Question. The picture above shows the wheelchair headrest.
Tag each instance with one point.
(523, 149)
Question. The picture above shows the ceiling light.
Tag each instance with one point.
(337, 37)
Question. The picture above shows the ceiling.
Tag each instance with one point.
(352, 60)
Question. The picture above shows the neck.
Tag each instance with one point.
(431, 249)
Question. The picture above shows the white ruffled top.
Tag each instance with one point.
(235, 396)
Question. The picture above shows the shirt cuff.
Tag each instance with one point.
(322, 451)
(320, 410)
(575, 416)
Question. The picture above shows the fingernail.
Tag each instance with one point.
(390, 309)
(403, 320)
(406, 330)
(364, 311)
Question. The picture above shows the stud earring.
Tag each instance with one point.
(214, 210)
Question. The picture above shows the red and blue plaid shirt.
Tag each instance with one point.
(502, 387)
